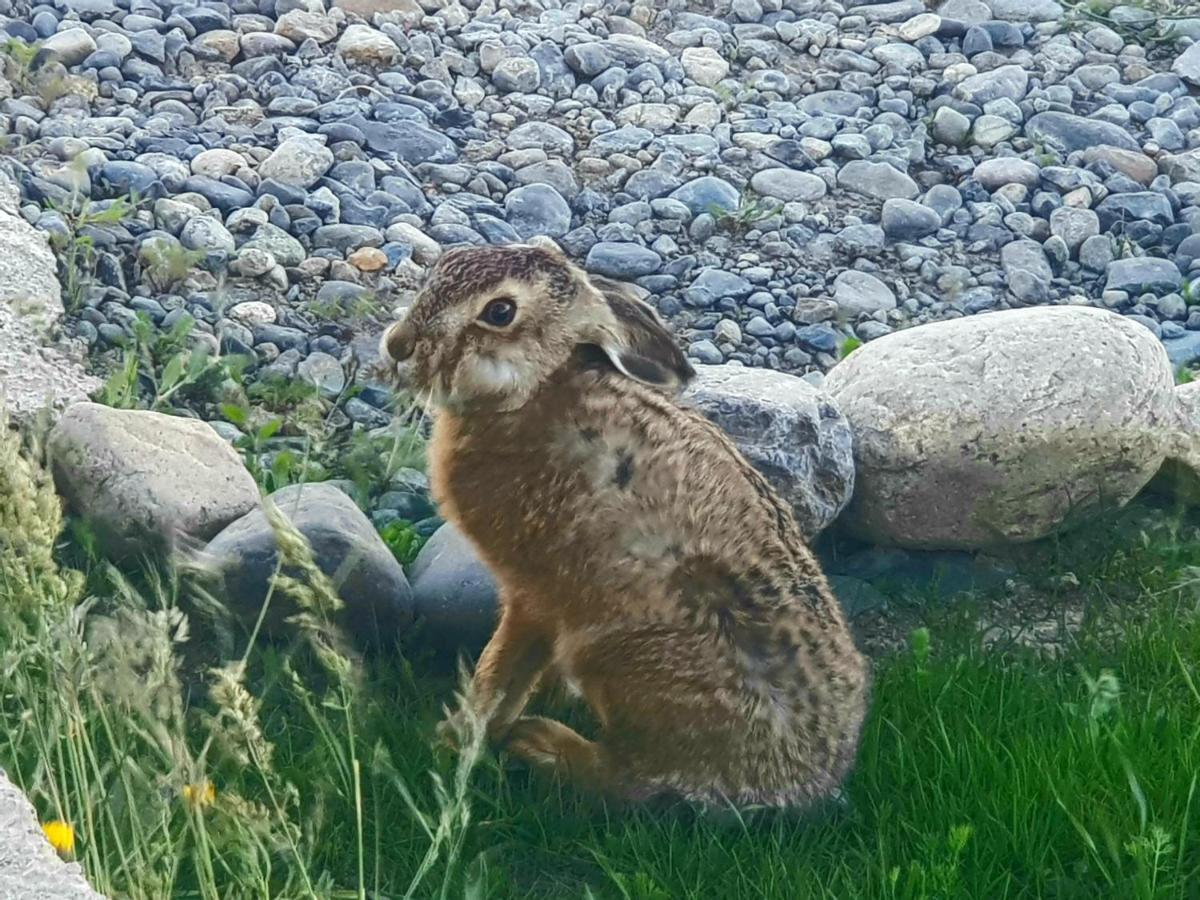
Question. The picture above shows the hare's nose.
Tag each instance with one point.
(397, 342)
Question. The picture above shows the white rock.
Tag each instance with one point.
(138, 475)
(217, 162)
(298, 161)
(788, 185)
(425, 249)
(363, 44)
(29, 867)
(298, 25)
(704, 65)
(1002, 428)
(71, 46)
(34, 378)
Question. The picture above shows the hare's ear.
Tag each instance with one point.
(636, 340)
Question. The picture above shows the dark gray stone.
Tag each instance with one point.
(378, 601)
(454, 594)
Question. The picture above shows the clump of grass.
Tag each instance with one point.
(751, 210)
(166, 264)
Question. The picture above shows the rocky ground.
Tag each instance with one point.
(240, 194)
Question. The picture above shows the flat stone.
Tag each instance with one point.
(788, 185)
(876, 180)
(1068, 133)
(1142, 274)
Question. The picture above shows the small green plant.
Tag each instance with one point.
(157, 367)
(403, 540)
(18, 59)
(1184, 375)
(166, 263)
(75, 248)
(361, 308)
(750, 211)
(1191, 292)
(848, 346)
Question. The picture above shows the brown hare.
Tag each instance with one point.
(638, 555)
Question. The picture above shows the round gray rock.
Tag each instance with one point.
(1003, 428)
(789, 430)
(136, 475)
(454, 594)
(345, 546)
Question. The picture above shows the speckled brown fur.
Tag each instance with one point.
(637, 552)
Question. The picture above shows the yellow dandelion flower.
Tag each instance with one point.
(61, 835)
(200, 795)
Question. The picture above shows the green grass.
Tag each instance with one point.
(985, 772)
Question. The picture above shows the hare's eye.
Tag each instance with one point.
(499, 313)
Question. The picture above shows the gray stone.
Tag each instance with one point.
(906, 220)
(858, 293)
(1002, 428)
(1009, 82)
(29, 867)
(324, 372)
(1187, 64)
(627, 261)
(1074, 225)
(879, 181)
(995, 173)
(789, 430)
(1067, 133)
(1027, 270)
(284, 248)
(141, 476)
(454, 594)
(1027, 10)
(1141, 274)
(1096, 252)
(518, 74)
(950, 126)
(207, 234)
(537, 209)
(298, 162)
(706, 194)
(345, 238)
(712, 284)
(72, 45)
(788, 185)
(377, 600)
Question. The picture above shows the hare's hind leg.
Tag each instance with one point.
(555, 749)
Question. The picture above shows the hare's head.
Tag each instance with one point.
(493, 324)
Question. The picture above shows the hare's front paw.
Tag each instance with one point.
(537, 741)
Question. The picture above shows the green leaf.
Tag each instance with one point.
(172, 373)
(238, 415)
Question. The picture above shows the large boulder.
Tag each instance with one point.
(34, 377)
(789, 430)
(345, 546)
(28, 273)
(29, 867)
(1180, 473)
(454, 594)
(143, 478)
(1002, 428)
